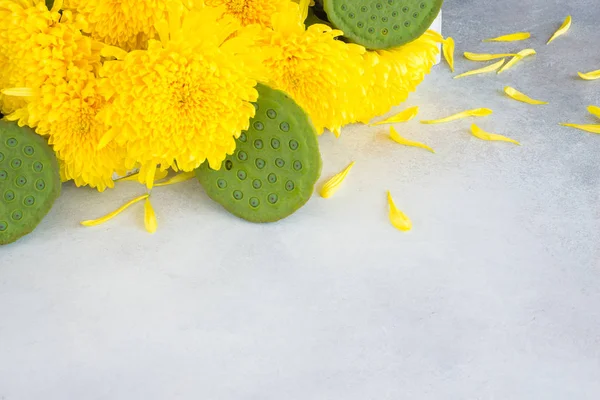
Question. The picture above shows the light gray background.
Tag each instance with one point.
(495, 294)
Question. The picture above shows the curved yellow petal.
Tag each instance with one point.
(158, 175)
(395, 136)
(513, 37)
(182, 177)
(333, 184)
(520, 55)
(490, 68)
(19, 92)
(448, 50)
(398, 219)
(590, 76)
(108, 217)
(477, 112)
(402, 116)
(562, 30)
(516, 95)
(150, 217)
(587, 128)
(483, 135)
(594, 110)
(486, 57)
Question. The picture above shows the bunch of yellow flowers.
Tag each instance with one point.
(169, 84)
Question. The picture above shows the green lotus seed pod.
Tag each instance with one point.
(29, 181)
(275, 165)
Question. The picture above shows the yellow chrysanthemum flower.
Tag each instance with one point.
(186, 98)
(391, 75)
(37, 43)
(128, 24)
(252, 11)
(321, 73)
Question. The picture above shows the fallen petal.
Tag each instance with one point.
(513, 37)
(562, 30)
(182, 177)
(490, 68)
(332, 185)
(486, 57)
(590, 76)
(584, 127)
(402, 116)
(483, 135)
(398, 219)
(150, 217)
(516, 95)
(108, 217)
(448, 50)
(395, 136)
(478, 112)
(594, 111)
(520, 55)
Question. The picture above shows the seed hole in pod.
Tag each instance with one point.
(17, 215)
(275, 143)
(289, 186)
(371, 30)
(16, 163)
(294, 144)
(384, 31)
(394, 14)
(391, 2)
(21, 181)
(241, 174)
(256, 106)
(243, 137)
(258, 144)
(29, 201)
(384, 19)
(378, 6)
(422, 5)
(238, 195)
(259, 126)
(405, 9)
(360, 24)
(221, 183)
(260, 163)
(3, 226)
(280, 163)
(242, 156)
(272, 178)
(254, 202)
(1, 157)
(364, 9)
(3, 175)
(297, 165)
(284, 126)
(38, 166)
(415, 15)
(351, 15)
(9, 195)
(12, 142)
(256, 184)
(407, 23)
(228, 165)
(396, 27)
(344, 7)
(28, 150)
(272, 114)
(273, 198)
(40, 184)
(373, 17)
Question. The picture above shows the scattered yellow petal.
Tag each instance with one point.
(587, 128)
(337, 132)
(590, 76)
(478, 112)
(402, 116)
(433, 35)
(515, 94)
(150, 177)
(395, 136)
(594, 111)
(332, 185)
(562, 30)
(113, 51)
(159, 175)
(513, 37)
(149, 217)
(490, 68)
(520, 55)
(448, 49)
(20, 92)
(108, 217)
(106, 138)
(397, 217)
(182, 177)
(483, 135)
(486, 57)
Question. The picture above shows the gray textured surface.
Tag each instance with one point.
(495, 294)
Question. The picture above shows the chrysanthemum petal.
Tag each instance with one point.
(589, 76)
(562, 30)
(592, 128)
(485, 70)
(513, 37)
(516, 95)
(486, 57)
(108, 217)
(402, 116)
(398, 219)
(594, 110)
(333, 184)
(395, 136)
(179, 178)
(477, 112)
(483, 135)
(520, 55)
(448, 49)
(149, 217)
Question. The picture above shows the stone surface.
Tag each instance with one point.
(493, 295)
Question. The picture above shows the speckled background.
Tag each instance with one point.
(495, 294)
